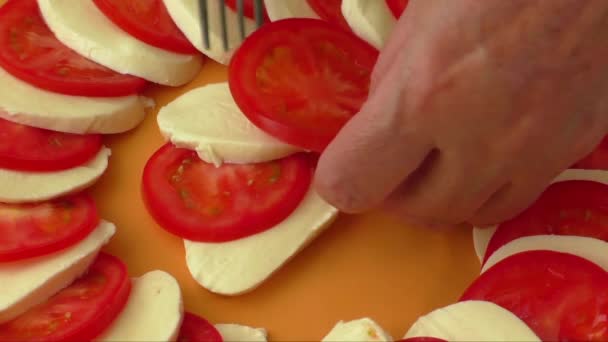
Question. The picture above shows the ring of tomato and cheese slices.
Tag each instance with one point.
(185, 14)
(84, 28)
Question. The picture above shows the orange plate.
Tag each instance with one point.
(363, 266)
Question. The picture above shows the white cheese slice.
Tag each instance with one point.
(208, 121)
(472, 321)
(372, 21)
(481, 237)
(28, 105)
(235, 267)
(153, 312)
(27, 283)
(83, 27)
(591, 249)
(241, 333)
(185, 14)
(22, 186)
(283, 9)
(359, 330)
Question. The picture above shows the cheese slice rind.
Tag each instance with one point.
(373, 21)
(235, 267)
(85, 29)
(25, 104)
(283, 9)
(22, 186)
(364, 329)
(472, 321)
(241, 333)
(185, 14)
(154, 311)
(208, 121)
(26, 283)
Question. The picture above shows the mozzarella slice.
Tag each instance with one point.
(208, 120)
(481, 237)
(373, 21)
(22, 186)
(26, 283)
(591, 249)
(472, 321)
(241, 333)
(363, 329)
(283, 9)
(84, 28)
(235, 267)
(185, 14)
(28, 105)
(153, 312)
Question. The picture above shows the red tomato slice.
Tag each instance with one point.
(330, 11)
(397, 6)
(79, 312)
(28, 148)
(29, 51)
(31, 230)
(578, 208)
(198, 201)
(560, 296)
(196, 329)
(597, 160)
(301, 80)
(148, 21)
(248, 9)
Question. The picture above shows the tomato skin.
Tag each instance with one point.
(26, 148)
(559, 296)
(33, 230)
(596, 160)
(300, 80)
(397, 6)
(248, 9)
(155, 27)
(196, 329)
(197, 201)
(578, 208)
(330, 11)
(80, 312)
(30, 52)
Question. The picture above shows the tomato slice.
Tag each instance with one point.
(301, 80)
(29, 51)
(248, 9)
(28, 148)
(148, 21)
(31, 230)
(196, 329)
(596, 160)
(397, 6)
(198, 201)
(330, 11)
(560, 296)
(578, 208)
(79, 312)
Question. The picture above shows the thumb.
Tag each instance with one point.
(373, 154)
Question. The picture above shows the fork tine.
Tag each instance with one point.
(240, 4)
(259, 12)
(204, 17)
(222, 7)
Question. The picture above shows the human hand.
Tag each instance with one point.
(475, 106)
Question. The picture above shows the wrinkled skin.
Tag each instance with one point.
(475, 107)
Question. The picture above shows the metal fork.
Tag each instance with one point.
(204, 17)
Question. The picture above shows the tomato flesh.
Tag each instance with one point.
(31, 230)
(198, 201)
(26, 148)
(596, 160)
(148, 21)
(30, 51)
(330, 11)
(196, 329)
(79, 312)
(578, 208)
(397, 6)
(248, 9)
(559, 296)
(301, 80)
